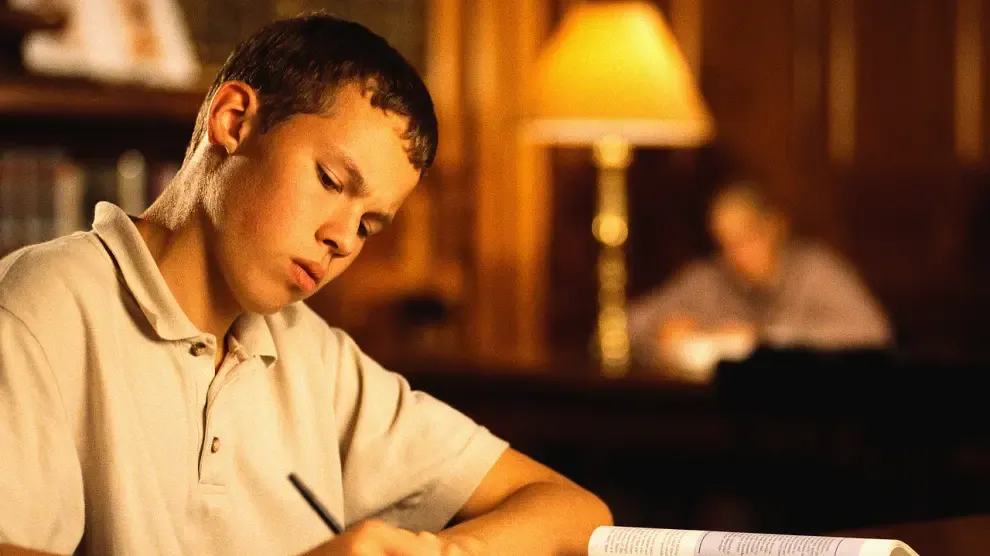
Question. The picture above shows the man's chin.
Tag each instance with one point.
(268, 303)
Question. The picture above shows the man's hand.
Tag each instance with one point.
(676, 329)
(685, 346)
(672, 334)
(454, 544)
(376, 538)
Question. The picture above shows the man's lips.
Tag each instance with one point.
(307, 274)
(314, 269)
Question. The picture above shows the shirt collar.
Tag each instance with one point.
(143, 278)
(141, 274)
(254, 334)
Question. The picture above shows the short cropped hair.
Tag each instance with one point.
(748, 193)
(297, 65)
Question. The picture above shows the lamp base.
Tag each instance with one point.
(610, 227)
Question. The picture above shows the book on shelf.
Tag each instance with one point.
(636, 541)
(44, 193)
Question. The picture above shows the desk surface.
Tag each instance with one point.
(959, 536)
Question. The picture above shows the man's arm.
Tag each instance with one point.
(524, 508)
(844, 313)
(660, 319)
(8, 550)
(41, 491)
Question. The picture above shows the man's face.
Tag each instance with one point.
(749, 240)
(297, 203)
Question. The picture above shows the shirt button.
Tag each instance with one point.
(198, 348)
(215, 445)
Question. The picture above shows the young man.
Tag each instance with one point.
(160, 376)
(765, 286)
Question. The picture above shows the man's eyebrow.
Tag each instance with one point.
(360, 187)
(354, 176)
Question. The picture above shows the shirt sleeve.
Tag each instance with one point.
(406, 457)
(683, 295)
(41, 492)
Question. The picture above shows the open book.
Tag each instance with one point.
(636, 541)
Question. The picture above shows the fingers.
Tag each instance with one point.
(377, 538)
(460, 545)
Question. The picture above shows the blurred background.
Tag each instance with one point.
(866, 118)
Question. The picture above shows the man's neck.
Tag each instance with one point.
(183, 259)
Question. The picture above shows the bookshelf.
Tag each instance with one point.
(84, 117)
(80, 100)
(66, 143)
(91, 119)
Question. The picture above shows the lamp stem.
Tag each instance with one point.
(611, 228)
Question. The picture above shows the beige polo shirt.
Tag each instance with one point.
(117, 436)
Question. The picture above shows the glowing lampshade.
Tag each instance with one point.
(615, 69)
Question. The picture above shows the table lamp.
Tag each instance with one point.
(613, 77)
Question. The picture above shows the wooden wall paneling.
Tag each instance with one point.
(452, 199)
(901, 196)
(687, 24)
(573, 253)
(842, 82)
(814, 202)
(510, 238)
(669, 192)
(972, 59)
(914, 201)
(904, 60)
(983, 54)
(493, 287)
(535, 202)
(969, 82)
(746, 78)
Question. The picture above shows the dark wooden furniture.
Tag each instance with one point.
(799, 443)
(92, 120)
(957, 536)
(69, 98)
(14, 26)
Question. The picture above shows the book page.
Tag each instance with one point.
(632, 541)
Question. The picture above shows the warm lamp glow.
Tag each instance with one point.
(613, 77)
(615, 69)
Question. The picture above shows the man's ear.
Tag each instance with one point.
(233, 116)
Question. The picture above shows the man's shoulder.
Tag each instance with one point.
(53, 273)
(820, 257)
(695, 277)
(299, 323)
(699, 271)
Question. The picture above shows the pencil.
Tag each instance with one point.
(319, 508)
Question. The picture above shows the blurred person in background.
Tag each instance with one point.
(764, 286)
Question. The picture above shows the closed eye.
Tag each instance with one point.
(373, 224)
(327, 181)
